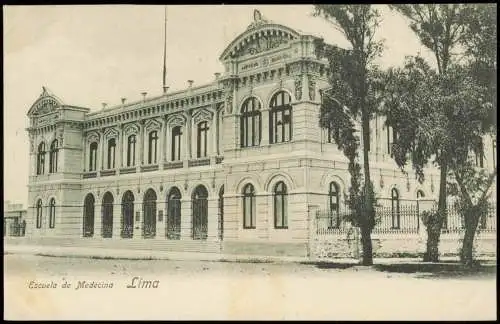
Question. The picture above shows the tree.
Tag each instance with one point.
(443, 114)
(440, 28)
(353, 96)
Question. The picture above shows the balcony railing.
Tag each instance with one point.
(199, 162)
(148, 168)
(105, 173)
(87, 175)
(173, 165)
(128, 170)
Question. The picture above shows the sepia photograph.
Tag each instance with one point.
(250, 162)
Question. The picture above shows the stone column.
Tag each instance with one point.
(160, 225)
(213, 133)
(119, 148)
(138, 221)
(98, 219)
(84, 153)
(264, 115)
(213, 221)
(140, 141)
(189, 137)
(163, 142)
(117, 215)
(100, 159)
(186, 219)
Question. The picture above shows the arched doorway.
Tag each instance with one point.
(107, 215)
(174, 214)
(127, 215)
(149, 210)
(88, 216)
(221, 213)
(200, 213)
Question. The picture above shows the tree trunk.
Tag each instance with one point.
(434, 226)
(433, 236)
(466, 254)
(366, 242)
(367, 224)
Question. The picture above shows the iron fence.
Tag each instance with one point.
(403, 216)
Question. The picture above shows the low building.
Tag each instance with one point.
(14, 219)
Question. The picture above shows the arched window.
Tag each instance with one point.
(40, 161)
(391, 138)
(149, 212)
(52, 213)
(334, 198)
(107, 215)
(88, 216)
(131, 150)
(251, 123)
(174, 214)
(127, 215)
(420, 194)
(111, 153)
(395, 208)
(200, 213)
(280, 206)
(333, 133)
(202, 139)
(153, 141)
(280, 121)
(176, 143)
(39, 213)
(53, 157)
(93, 157)
(249, 206)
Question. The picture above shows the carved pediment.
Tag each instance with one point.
(152, 124)
(262, 35)
(202, 115)
(46, 103)
(177, 120)
(111, 133)
(131, 129)
(92, 137)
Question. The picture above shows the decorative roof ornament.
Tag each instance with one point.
(258, 19)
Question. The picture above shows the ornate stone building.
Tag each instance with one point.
(237, 164)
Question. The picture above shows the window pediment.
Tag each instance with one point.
(111, 133)
(202, 115)
(177, 120)
(92, 137)
(131, 129)
(152, 124)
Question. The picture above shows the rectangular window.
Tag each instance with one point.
(176, 143)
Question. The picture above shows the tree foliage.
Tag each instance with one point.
(353, 96)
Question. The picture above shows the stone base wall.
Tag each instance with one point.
(265, 248)
(402, 245)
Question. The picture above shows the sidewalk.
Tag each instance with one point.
(103, 253)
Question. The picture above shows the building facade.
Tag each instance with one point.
(238, 162)
(14, 219)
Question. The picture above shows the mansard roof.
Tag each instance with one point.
(261, 35)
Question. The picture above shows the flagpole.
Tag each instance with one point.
(165, 53)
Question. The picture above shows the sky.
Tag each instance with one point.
(87, 55)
